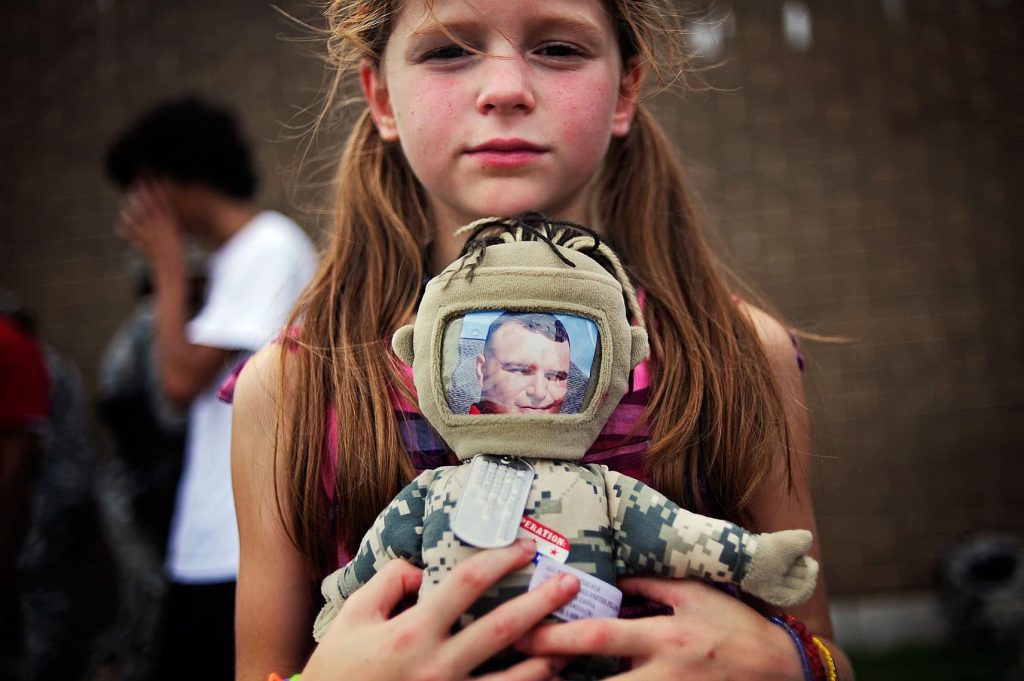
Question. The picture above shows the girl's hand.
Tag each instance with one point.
(365, 642)
(711, 635)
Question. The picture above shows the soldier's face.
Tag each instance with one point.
(523, 371)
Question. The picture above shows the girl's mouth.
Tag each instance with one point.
(506, 152)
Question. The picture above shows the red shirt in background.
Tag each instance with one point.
(24, 383)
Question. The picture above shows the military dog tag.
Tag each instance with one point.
(488, 512)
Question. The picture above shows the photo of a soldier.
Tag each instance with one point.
(524, 366)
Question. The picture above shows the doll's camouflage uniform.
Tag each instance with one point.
(615, 525)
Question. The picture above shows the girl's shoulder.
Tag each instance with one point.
(780, 344)
(265, 363)
(259, 378)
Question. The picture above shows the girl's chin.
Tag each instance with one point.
(514, 208)
(507, 202)
(515, 195)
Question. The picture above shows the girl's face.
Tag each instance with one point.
(522, 126)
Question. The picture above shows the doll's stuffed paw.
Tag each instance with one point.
(333, 600)
(781, 572)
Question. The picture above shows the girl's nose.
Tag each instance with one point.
(505, 86)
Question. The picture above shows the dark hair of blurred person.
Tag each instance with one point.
(188, 141)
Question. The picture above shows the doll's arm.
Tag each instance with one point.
(654, 536)
(396, 533)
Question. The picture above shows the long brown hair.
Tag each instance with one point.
(715, 412)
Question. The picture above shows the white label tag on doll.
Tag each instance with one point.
(550, 544)
(487, 514)
(595, 598)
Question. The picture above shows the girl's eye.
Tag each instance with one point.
(446, 53)
(560, 50)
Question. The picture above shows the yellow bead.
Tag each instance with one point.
(833, 675)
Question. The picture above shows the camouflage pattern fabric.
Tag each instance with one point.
(616, 526)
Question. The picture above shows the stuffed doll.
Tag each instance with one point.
(520, 352)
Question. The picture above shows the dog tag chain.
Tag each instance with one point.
(487, 514)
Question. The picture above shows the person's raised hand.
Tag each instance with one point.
(366, 642)
(148, 222)
(710, 635)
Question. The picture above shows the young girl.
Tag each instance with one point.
(490, 107)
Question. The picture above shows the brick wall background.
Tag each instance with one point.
(865, 183)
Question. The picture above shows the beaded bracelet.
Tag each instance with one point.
(274, 676)
(807, 639)
(806, 647)
(830, 663)
(804, 663)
